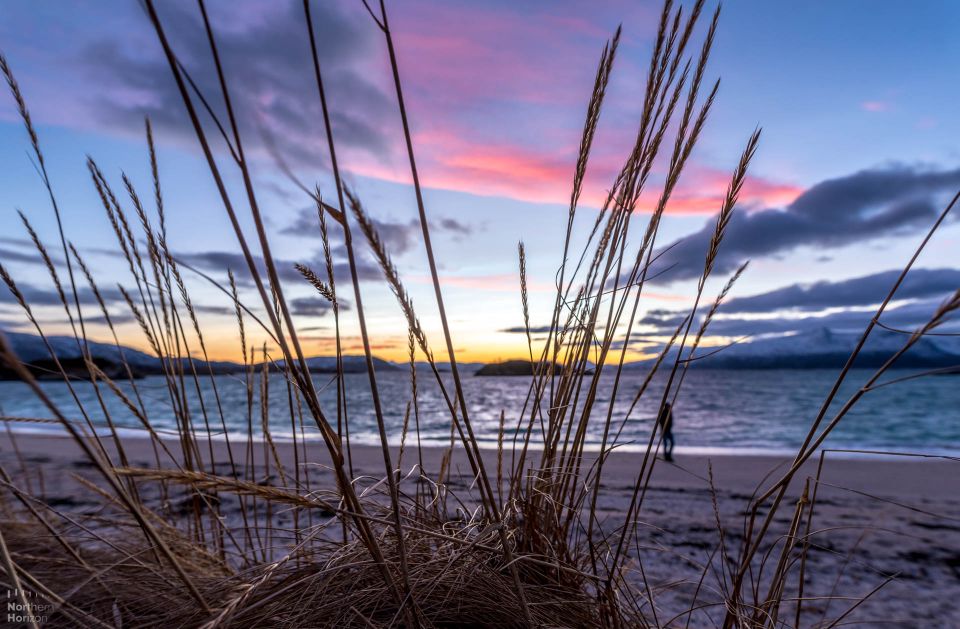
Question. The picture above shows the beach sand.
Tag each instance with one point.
(874, 517)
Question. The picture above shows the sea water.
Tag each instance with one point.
(715, 411)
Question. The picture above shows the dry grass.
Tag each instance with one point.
(524, 548)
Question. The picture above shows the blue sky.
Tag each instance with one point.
(856, 100)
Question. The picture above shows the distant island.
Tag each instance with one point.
(512, 368)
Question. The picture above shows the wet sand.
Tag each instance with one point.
(874, 518)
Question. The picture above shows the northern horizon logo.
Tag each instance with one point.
(20, 612)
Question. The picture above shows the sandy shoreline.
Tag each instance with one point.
(890, 476)
(878, 517)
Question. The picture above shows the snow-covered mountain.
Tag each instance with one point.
(32, 350)
(825, 348)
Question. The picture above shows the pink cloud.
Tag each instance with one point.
(499, 282)
(702, 190)
(875, 106)
(448, 160)
(758, 190)
(535, 175)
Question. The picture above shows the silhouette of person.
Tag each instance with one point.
(665, 421)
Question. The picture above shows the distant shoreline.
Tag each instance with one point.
(815, 349)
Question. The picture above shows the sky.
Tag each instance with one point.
(858, 155)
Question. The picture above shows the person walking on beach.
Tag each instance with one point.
(665, 421)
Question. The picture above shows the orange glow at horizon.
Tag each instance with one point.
(392, 348)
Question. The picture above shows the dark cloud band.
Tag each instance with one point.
(860, 207)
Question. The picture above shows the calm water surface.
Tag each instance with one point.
(717, 409)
